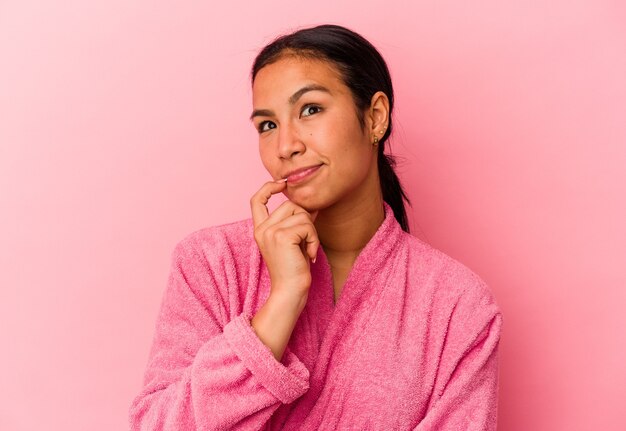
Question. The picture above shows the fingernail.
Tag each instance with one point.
(282, 180)
(314, 259)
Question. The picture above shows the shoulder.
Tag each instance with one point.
(460, 307)
(214, 263)
(233, 233)
(447, 279)
(217, 244)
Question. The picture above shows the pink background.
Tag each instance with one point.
(123, 127)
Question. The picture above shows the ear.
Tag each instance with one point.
(378, 114)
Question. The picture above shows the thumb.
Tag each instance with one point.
(311, 248)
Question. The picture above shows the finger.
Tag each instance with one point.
(312, 245)
(258, 201)
(284, 210)
(304, 235)
(292, 220)
(285, 229)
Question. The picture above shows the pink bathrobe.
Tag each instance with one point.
(412, 343)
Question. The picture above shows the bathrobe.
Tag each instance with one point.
(410, 344)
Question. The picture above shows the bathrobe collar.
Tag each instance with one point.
(369, 262)
(360, 294)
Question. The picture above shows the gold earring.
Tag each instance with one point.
(375, 140)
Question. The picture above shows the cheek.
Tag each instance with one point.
(354, 160)
(266, 158)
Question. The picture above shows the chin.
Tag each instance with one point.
(309, 201)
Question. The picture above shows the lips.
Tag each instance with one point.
(301, 174)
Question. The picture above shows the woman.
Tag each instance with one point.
(325, 314)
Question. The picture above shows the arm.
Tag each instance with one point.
(466, 396)
(204, 371)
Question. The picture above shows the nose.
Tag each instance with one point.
(289, 142)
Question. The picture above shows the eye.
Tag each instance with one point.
(261, 128)
(310, 110)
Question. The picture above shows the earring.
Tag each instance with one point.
(375, 140)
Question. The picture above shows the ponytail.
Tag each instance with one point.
(393, 193)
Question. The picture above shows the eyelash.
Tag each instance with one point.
(319, 109)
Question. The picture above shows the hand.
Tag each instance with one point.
(287, 239)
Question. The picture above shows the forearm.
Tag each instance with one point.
(275, 320)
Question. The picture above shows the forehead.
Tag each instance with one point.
(280, 79)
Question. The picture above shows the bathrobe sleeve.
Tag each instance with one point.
(207, 371)
(465, 395)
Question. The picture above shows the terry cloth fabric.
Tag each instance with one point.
(411, 344)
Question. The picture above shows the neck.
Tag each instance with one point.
(345, 228)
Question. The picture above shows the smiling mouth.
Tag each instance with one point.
(301, 176)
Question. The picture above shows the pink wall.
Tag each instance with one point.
(123, 127)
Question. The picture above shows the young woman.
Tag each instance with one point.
(325, 314)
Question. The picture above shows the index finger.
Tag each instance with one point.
(260, 199)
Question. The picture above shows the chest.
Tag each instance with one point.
(362, 359)
(339, 280)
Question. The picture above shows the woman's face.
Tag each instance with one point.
(306, 118)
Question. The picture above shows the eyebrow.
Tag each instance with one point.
(292, 99)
